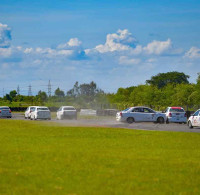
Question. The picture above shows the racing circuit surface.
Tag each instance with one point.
(111, 122)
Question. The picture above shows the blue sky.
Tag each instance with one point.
(115, 43)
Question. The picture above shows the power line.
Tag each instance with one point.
(49, 88)
(18, 90)
(29, 90)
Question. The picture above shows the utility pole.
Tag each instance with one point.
(3, 92)
(18, 90)
(49, 88)
(29, 90)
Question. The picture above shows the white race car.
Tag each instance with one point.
(140, 114)
(40, 112)
(28, 111)
(194, 120)
(176, 115)
(66, 112)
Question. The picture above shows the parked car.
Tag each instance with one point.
(194, 120)
(140, 113)
(28, 111)
(40, 112)
(176, 115)
(5, 112)
(66, 112)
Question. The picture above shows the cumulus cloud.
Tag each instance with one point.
(5, 36)
(120, 41)
(193, 53)
(73, 42)
(72, 50)
(158, 47)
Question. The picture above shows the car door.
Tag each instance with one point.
(198, 119)
(136, 113)
(59, 112)
(195, 118)
(148, 114)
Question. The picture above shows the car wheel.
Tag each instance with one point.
(130, 120)
(190, 125)
(160, 120)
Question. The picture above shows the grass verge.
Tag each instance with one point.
(40, 159)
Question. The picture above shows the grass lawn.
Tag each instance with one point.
(36, 158)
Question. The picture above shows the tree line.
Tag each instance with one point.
(159, 92)
(86, 95)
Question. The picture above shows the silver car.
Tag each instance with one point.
(140, 114)
(5, 112)
(66, 112)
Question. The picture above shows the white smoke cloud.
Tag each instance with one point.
(5, 36)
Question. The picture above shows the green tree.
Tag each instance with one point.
(59, 93)
(13, 94)
(42, 96)
(162, 79)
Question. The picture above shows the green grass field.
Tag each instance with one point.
(36, 158)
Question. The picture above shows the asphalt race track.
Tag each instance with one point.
(112, 123)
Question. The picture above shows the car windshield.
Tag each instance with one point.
(42, 109)
(70, 108)
(4, 108)
(176, 110)
(126, 109)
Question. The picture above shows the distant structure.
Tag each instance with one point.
(29, 90)
(18, 90)
(49, 88)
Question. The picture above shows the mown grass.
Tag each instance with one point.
(36, 158)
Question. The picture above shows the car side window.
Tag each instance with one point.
(136, 110)
(196, 113)
(146, 110)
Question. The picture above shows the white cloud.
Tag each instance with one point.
(73, 42)
(151, 60)
(5, 36)
(158, 47)
(193, 53)
(120, 41)
(124, 60)
(5, 52)
(28, 50)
